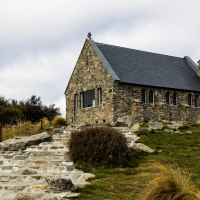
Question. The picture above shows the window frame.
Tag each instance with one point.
(190, 100)
(151, 97)
(75, 101)
(99, 96)
(196, 101)
(143, 96)
(167, 99)
(83, 100)
(175, 99)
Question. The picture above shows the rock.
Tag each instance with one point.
(34, 196)
(188, 132)
(14, 144)
(141, 147)
(57, 130)
(128, 120)
(135, 128)
(28, 172)
(168, 130)
(175, 125)
(86, 176)
(120, 119)
(156, 125)
(60, 184)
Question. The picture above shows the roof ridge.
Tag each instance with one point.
(138, 50)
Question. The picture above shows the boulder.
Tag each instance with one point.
(168, 130)
(135, 128)
(28, 172)
(35, 196)
(14, 144)
(120, 119)
(156, 125)
(140, 147)
(60, 184)
(175, 125)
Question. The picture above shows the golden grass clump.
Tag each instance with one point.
(171, 184)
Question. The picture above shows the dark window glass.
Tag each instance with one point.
(143, 96)
(76, 102)
(174, 97)
(196, 101)
(168, 98)
(100, 96)
(88, 98)
(189, 99)
(151, 96)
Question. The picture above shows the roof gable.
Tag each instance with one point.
(145, 68)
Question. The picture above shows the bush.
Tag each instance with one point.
(171, 184)
(101, 145)
(58, 120)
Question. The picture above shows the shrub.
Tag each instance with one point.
(101, 145)
(171, 184)
(59, 120)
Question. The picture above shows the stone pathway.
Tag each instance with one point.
(23, 173)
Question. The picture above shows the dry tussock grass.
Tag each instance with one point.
(171, 184)
(24, 129)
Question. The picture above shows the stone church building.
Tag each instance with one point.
(112, 84)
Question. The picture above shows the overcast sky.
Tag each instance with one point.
(40, 40)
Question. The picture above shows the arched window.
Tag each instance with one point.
(196, 101)
(151, 96)
(143, 96)
(189, 99)
(174, 97)
(168, 98)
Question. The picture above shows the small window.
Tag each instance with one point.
(143, 96)
(168, 98)
(189, 99)
(196, 101)
(76, 102)
(87, 99)
(99, 96)
(174, 97)
(151, 96)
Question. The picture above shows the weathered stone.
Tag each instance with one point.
(59, 185)
(128, 120)
(14, 144)
(120, 119)
(175, 125)
(168, 130)
(141, 147)
(28, 172)
(156, 125)
(135, 128)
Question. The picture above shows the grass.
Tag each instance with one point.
(130, 182)
(25, 129)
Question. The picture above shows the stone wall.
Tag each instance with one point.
(90, 74)
(128, 102)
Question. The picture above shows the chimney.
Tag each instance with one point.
(198, 72)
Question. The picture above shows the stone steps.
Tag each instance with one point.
(26, 170)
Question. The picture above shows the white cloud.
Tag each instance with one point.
(41, 40)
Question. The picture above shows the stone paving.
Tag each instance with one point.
(25, 173)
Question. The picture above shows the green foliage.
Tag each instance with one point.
(58, 120)
(100, 145)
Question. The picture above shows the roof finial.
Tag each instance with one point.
(89, 35)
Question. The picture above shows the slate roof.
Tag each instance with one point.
(150, 69)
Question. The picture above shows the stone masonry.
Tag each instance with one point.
(120, 99)
(90, 74)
